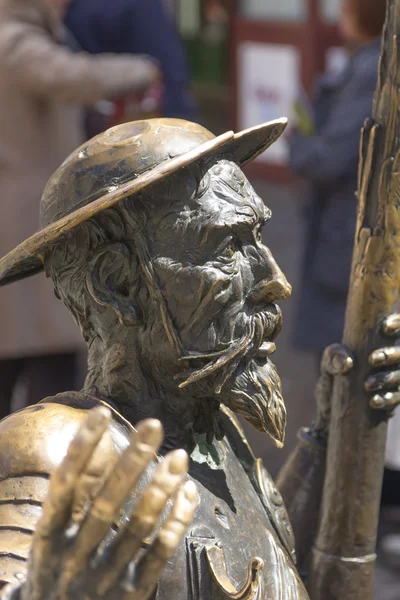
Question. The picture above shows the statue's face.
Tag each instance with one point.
(220, 284)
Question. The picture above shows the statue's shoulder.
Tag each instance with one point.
(33, 442)
(35, 439)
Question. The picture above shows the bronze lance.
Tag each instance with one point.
(344, 549)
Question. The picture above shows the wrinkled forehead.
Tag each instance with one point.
(235, 195)
(221, 197)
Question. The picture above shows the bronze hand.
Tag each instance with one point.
(385, 381)
(81, 556)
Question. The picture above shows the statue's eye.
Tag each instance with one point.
(197, 185)
(203, 185)
(231, 248)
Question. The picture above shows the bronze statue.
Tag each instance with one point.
(151, 234)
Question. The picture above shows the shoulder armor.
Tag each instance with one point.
(35, 440)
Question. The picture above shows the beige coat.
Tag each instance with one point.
(42, 87)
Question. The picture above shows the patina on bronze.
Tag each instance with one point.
(152, 237)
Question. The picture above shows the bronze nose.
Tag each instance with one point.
(270, 291)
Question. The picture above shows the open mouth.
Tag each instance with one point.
(269, 325)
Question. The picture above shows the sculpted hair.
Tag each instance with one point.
(68, 260)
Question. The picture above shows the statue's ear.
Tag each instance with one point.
(109, 281)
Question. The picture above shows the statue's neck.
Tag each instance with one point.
(119, 379)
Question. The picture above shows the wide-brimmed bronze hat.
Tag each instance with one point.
(119, 163)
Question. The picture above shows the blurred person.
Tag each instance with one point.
(326, 156)
(42, 88)
(137, 26)
(326, 152)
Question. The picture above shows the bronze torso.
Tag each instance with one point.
(240, 519)
(233, 526)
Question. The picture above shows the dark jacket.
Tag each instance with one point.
(328, 160)
(136, 27)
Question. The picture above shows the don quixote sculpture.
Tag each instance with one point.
(143, 484)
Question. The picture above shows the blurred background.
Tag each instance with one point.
(231, 64)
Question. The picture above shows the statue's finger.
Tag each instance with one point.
(336, 360)
(391, 325)
(58, 503)
(93, 477)
(387, 401)
(165, 483)
(105, 509)
(382, 381)
(385, 357)
(152, 564)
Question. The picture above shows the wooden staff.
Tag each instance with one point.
(344, 550)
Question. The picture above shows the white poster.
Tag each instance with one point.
(189, 18)
(269, 83)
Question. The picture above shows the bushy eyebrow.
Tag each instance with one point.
(241, 210)
(222, 228)
(246, 192)
(256, 213)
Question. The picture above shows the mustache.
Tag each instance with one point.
(261, 326)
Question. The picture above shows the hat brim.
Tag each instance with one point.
(27, 258)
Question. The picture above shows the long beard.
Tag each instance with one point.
(248, 385)
(255, 393)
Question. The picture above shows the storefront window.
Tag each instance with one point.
(189, 18)
(330, 10)
(286, 10)
(204, 26)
